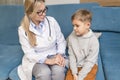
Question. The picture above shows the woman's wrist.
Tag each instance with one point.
(49, 61)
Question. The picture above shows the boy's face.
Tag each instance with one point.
(80, 27)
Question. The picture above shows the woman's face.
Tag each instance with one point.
(38, 13)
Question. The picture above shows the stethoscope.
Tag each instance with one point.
(50, 37)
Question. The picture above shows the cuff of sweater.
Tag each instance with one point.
(80, 77)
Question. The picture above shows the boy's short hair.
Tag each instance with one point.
(82, 15)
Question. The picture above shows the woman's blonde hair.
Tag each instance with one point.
(29, 7)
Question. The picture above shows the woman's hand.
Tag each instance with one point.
(50, 61)
(57, 59)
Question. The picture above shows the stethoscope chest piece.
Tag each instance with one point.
(49, 38)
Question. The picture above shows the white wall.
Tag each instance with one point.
(52, 2)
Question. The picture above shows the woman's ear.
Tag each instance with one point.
(31, 15)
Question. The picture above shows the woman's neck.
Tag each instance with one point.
(36, 22)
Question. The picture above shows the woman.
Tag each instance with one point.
(43, 44)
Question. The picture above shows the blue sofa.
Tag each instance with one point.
(105, 20)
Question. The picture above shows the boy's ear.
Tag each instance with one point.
(88, 24)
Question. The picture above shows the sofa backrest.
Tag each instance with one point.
(106, 20)
(63, 13)
(10, 17)
(10, 52)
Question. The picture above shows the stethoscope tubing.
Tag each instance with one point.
(49, 27)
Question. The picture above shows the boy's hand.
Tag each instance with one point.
(75, 77)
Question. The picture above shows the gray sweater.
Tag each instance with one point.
(83, 52)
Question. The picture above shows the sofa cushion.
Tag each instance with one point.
(110, 55)
(10, 57)
(100, 76)
(14, 76)
(100, 73)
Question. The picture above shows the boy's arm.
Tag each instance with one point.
(72, 57)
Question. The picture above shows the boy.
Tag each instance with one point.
(83, 48)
